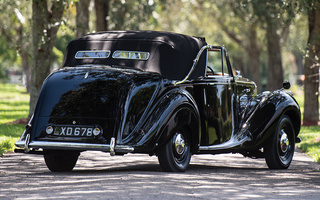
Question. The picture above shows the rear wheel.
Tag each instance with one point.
(175, 155)
(61, 161)
(279, 152)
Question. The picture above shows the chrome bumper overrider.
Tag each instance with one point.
(112, 148)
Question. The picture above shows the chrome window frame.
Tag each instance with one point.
(108, 52)
(130, 58)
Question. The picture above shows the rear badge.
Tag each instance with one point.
(86, 75)
(74, 122)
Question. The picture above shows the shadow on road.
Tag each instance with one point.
(100, 176)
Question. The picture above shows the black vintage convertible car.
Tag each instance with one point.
(158, 93)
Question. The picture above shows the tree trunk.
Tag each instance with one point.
(254, 54)
(241, 65)
(275, 71)
(253, 50)
(102, 13)
(45, 24)
(24, 53)
(311, 69)
(299, 62)
(26, 68)
(82, 17)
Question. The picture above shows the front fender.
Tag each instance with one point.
(175, 109)
(262, 116)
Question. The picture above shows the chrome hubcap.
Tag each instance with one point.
(284, 142)
(179, 144)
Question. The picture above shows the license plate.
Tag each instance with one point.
(71, 131)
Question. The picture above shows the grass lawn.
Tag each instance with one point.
(14, 104)
(310, 141)
(310, 135)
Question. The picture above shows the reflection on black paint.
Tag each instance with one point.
(140, 98)
(92, 99)
(95, 97)
(104, 96)
(219, 114)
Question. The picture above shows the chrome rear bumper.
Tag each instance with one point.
(112, 148)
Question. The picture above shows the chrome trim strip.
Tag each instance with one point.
(233, 142)
(74, 146)
(26, 143)
(219, 83)
(195, 62)
(244, 82)
(112, 145)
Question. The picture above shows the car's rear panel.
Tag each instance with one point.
(86, 104)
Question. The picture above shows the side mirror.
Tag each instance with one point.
(286, 85)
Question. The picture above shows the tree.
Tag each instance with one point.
(45, 24)
(82, 17)
(311, 67)
(126, 15)
(275, 17)
(14, 29)
(295, 48)
(247, 39)
(102, 13)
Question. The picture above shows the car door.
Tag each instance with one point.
(218, 92)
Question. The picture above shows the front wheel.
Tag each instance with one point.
(175, 155)
(61, 161)
(279, 152)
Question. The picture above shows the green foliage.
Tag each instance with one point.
(133, 14)
(8, 57)
(310, 135)
(310, 141)
(9, 134)
(14, 34)
(14, 104)
(6, 52)
(3, 76)
(6, 144)
(57, 55)
(64, 36)
(299, 96)
(11, 130)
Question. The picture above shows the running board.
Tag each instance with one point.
(233, 142)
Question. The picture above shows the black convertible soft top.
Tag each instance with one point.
(170, 54)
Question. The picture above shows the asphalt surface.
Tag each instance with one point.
(97, 175)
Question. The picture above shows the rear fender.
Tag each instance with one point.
(176, 109)
(183, 118)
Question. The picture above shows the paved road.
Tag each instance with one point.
(99, 176)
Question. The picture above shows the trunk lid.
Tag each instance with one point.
(80, 97)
